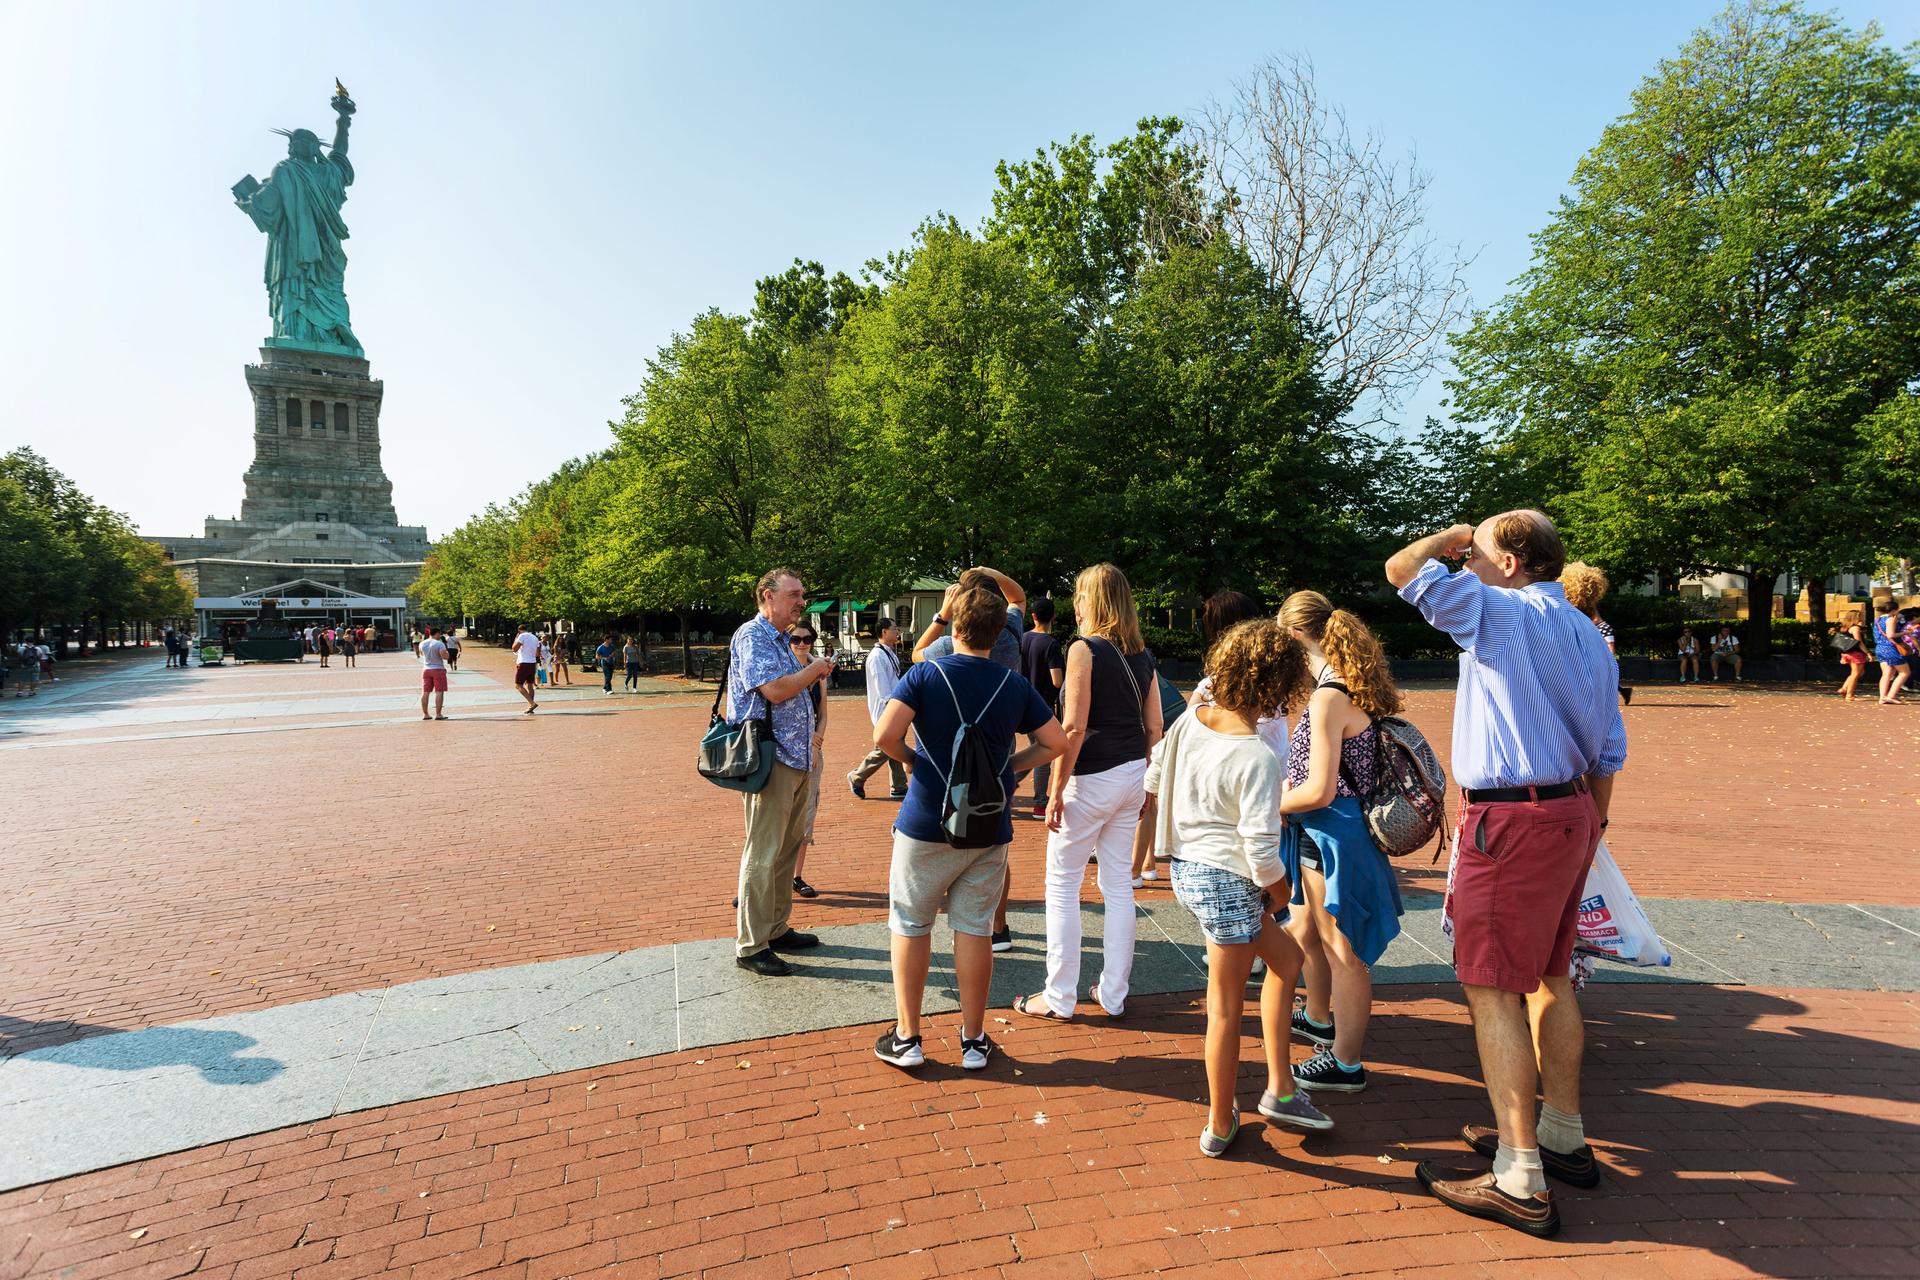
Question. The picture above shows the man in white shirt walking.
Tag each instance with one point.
(883, 673)
(433, 675)
(526, 658)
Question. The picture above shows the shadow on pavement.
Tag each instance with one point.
(214, 1054)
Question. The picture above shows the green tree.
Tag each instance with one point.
(1721, 306)
(1238, 472)
(38, 560)
(958, 391)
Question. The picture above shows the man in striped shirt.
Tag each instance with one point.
(1537, 739)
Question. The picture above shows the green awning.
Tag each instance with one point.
(857, 605)
(822, 606)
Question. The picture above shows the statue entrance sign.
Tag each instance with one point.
(298, 206)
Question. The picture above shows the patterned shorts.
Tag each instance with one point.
(1230, 908)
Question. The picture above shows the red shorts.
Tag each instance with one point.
(523, 673)
(433, 680)
(1518, 875)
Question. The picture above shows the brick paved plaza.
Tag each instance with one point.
(266, 852)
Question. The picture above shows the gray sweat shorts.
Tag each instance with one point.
(924, 875)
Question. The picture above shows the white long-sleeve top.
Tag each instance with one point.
(1219, 800)
(883, 672)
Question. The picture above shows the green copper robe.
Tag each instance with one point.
(299, 209)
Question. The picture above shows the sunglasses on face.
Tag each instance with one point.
(799, 641)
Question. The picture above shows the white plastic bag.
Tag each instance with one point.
(1611, 924)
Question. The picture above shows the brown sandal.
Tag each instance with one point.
(1035, 1006)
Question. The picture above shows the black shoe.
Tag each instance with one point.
(764, 963)
(804, 889)
(858, 787)
(1315, 1033)
(794, 940)
(891, 1049)
(896, 795)
(1323, 1073)
(1003, 940)
(1579, 1169)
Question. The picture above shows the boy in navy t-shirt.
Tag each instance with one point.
(926, 870)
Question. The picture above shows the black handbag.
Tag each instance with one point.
(738, 757)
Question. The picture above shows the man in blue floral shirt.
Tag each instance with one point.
(762, 673)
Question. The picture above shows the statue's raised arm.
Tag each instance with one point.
(298, 206)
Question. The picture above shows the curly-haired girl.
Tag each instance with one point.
(1351, 899)
(1219, 818)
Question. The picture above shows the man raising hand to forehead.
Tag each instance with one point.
(1537, 740)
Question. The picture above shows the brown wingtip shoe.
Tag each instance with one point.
(1579, 1169)
(1462, 1189)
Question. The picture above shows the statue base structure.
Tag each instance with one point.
(317, 519)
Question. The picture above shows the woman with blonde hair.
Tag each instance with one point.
(1110, 708)
(1351, 899)
(1219, 788)
(1586, 586)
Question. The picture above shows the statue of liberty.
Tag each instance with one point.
(299, 208)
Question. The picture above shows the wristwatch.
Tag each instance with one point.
(942, 621)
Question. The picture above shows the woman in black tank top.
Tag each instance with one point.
(1110, 707)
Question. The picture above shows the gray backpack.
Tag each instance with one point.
(1408, 803)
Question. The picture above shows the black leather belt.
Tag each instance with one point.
(1500, 795)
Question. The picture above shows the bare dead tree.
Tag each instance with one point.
(1337, 222)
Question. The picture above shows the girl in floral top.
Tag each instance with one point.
(1351, 899)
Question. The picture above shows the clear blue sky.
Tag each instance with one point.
(547, 192)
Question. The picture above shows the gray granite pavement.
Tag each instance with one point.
(120, 1096)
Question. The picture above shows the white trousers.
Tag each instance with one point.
(1098, 815)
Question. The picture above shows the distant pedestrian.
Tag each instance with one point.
(1219, 821)
(526, 659)
(1044, 664)
(452, 640)
(882, 673)
(324, 641)
(630, 655)
(1892, 651)
(349, 646)
(1726, 648)
(603, 654)
(937, 699)
(1851, 640)
(1110, 707)
(433, 674)
(1687, 649)
(765, 679)
(1537, 741)
(560, 672)
(173, 646)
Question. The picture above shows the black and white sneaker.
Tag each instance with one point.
(975, 1054)
(1314, 1033)
(1323, 1072)
(890, 1048)
(1003, 939)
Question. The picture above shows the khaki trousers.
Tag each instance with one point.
(870, 765)
(776, 827)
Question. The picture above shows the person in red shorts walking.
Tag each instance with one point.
(433, 675)
(1537, 740)
(526, 664)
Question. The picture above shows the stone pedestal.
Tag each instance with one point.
(316, 442)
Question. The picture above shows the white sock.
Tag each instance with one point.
(1560, 1132)
(1518, 1171)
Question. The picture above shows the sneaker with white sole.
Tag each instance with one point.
(1323, 1071)
(1297, 1112)
(1139, 882)
(1003, 940)
(1318, 1034)
(891, 1049)
(1150, 874)
(977, 1052)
